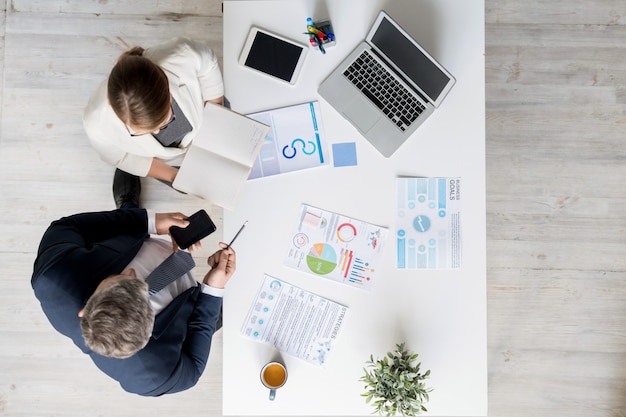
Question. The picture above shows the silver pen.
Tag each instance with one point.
(240, 229)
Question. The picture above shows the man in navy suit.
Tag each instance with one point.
(157, 344)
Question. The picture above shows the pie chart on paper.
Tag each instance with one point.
(322, 259)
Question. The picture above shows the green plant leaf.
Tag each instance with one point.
(393, 384)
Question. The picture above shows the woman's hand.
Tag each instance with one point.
(219, 100)
(162, 171)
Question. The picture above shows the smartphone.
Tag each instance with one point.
(200, 226)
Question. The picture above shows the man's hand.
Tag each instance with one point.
(223, 264)
(166, 220)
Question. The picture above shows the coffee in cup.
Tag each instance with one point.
(273, 376)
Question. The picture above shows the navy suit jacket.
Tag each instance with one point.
(76, 253)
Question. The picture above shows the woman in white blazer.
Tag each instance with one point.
(143, 118)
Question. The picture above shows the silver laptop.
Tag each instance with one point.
(387, 86)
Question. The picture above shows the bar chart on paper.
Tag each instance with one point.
(428, 223)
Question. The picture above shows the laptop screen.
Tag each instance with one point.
(410, 59)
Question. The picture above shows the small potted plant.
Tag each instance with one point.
(394, 385)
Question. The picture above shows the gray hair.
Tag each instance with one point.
(117, 321)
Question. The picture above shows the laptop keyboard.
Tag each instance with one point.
(381, 88)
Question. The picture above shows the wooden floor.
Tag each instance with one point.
(556, 200)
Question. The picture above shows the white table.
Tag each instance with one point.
(440, 314)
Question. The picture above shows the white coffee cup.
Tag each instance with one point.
(273, 376)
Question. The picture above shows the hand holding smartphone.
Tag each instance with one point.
(200, 226)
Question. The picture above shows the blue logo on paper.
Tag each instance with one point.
(303, 148)
(421, 223)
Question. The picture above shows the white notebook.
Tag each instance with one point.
(221, 156)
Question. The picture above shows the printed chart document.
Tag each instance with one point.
(428, 223)
(295, 321)
(296, 140)
(221, 156)
(336, 247)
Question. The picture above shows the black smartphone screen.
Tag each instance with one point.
(200, 226)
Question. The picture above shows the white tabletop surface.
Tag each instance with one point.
(440, 314)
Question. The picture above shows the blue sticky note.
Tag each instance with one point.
(344, 154)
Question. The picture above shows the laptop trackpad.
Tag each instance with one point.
(361, 116)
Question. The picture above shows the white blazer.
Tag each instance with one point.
(194, 77)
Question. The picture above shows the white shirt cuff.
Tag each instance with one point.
(151, 221)
(215, 292)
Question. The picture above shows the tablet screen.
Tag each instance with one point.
(273, 56)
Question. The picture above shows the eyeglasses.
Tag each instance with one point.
(163, 126)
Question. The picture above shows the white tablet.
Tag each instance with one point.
(273, 55)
